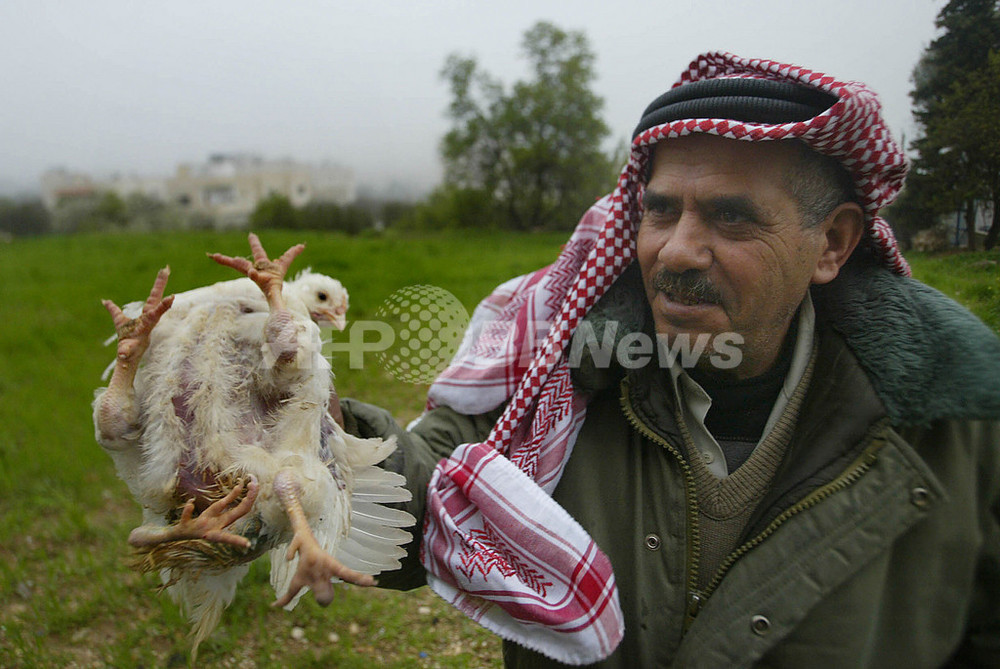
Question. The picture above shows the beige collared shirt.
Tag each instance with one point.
(695, 402)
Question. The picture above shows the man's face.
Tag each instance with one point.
(722, 247)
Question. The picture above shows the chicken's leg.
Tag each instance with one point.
(117, 412)
(280, 332)
(210, 524)
(316, 567)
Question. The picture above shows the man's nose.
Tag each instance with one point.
(687, 245)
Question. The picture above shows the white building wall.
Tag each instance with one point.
(226, 187)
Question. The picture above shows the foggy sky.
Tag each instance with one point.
(108, 86)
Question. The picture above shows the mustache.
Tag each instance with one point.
(690, 285)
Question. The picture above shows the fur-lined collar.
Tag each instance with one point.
(927, 357)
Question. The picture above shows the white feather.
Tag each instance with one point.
(206, 389)
(382, 492)
(380, 515)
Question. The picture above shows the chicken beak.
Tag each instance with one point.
(329, 317)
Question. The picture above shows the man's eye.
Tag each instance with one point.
(732, 216)
(660, 209)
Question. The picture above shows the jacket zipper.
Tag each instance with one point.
(694, 598)
(848, 477)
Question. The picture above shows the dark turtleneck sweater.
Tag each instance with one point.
(741, 407)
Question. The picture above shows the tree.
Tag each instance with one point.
(330, 216)
(450, 206)
(109, 211)
(968, 124)
(23, 217)
(274, 211)
(956, 99)
(149, 213)
(89, 213)
(534, 151)
(970, 31)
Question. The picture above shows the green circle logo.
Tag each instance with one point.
(429, 323)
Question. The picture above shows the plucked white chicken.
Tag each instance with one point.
(216, 418)
(322, 297)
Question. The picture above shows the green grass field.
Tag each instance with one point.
(971, 278)
(66, 596)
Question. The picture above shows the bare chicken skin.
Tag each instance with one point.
(216, 417)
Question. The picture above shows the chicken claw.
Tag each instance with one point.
(210, 524)
(133, 333)
(280, 333)
(266, 273)
(117, 412)
(316, 567)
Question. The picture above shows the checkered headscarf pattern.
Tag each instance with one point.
(495, 544)
(851, 131)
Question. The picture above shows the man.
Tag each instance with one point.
(758, 444)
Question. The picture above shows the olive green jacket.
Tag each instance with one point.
(878, 543)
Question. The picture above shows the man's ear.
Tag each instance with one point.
(843, 229)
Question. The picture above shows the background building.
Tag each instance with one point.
(225, 189)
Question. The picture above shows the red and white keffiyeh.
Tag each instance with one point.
(495, 543)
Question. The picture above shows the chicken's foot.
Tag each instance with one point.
(266, 273)
(280, 331)
(209, 525)
(316, 567)
(117, 412)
